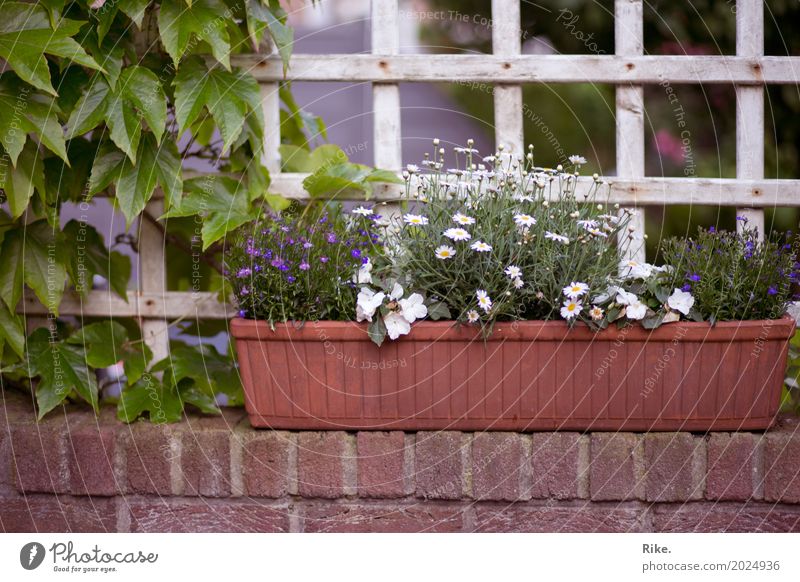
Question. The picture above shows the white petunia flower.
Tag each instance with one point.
(396, 292)
(396, 325)
(457, 234)
(480, 246)
(413, 308)
(636, 270)
(444, 252)
(636, 310)
(577, 160)
(518, 283)
(524, 220)
(571, 309)
(596, 313)
(513, 272)
(681, 301)
(364, 274)
(575, 289)
(368, 301)
(556, 237)
(459, 218)
(415, 219)
(484, 301)
(472, 316)
(625, 298)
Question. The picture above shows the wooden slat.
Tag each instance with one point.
(485, 70)
(506, 42)
(156, 307)
(750, 106)
(629, 39)
(153, 279)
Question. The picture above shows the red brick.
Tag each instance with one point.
(674, 467)
(555, 459)
(731, 466)
(40, 456)
(206, 462)
(497, 465)
(782, 467)
(149, 456)
(208, 516)
(614, 470)
(320, 463)
(362, 518)
(91, 449)
(584, 518)
(439, 469)
(265, 464)
(716, 517)
(62, 514)
(381, 458)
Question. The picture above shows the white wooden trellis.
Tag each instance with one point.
(749, 71)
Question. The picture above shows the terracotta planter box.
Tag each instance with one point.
(528, 376)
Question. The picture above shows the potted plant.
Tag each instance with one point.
(497, 301)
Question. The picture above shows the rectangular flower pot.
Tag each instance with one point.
(527, 376)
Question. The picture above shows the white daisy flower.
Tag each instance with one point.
(484, 301)
(363, 211)
(571, 309)
(460, 150)
(472, 316)
(457, 234)
(577, 160)
(444, 252)
(413, 308)
(459, 218)
(587, 224)
(489, 159)
(412, 169)
(596, 313)
(480, 246)
(556, 237)
(636, 310)
(513, 271)
(597, 232)
(518, 283)
(575, 289)
(524, 220)
(415, 219)
(368, 301)
(680, 301)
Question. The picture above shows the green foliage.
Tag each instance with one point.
(734, 276)
(112, 99)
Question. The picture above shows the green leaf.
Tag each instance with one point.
(11, 269)
(191, 394)
(23, 112)
(20, 182)
(119, 274)
(110, 54)
(102, 341)
(338, 180)
(43, 265)
(90, 110)
(54, 9)
(88, 256)
(134, 9)
(106, 169)
(210, 372)
(162, 403)
(26, 36)
(221, 201)
(377, 331)
(178, 25)
(260, 16)
(438, 310)
(61, 368)
(168, 171)
(142, 88)
(123, 121)
(11, 331)
(228, 97)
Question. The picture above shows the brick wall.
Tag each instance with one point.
(75, 472)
